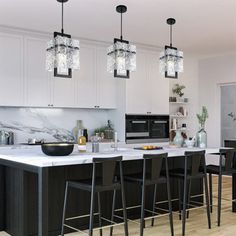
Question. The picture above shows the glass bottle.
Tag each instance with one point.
(81, 141)
(202, 137)
(109, 131)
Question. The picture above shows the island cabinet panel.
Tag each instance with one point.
(21, 191)
(11, 70)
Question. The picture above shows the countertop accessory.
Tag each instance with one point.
(57, 149)
(4, 137)
(171, 59)
(62, 55)
(148, 148)
(121, 56)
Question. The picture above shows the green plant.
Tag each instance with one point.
(203, 116)
(178, 90)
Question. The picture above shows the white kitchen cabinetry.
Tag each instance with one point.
(38, 81)
(106, 83)
(96, 88)
(11, 70)
(146, 91)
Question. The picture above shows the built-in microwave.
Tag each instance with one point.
(147, 128)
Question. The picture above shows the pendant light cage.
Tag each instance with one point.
(171, 59)
(121, 55)
(62, 53)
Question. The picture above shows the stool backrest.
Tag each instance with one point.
(108, 168)
(156, 163)
(194, 160)
(228, 155)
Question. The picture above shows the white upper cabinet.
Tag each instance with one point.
(11, 70)
(159, 87)
(106, 83)
(137, 88)
(86, 87)
(146, 91)
(37, 79)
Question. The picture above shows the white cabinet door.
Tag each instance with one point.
(138, 99)
(159, 86)
(11, 70)
(37, 79)
(86, 93)
(106, 83)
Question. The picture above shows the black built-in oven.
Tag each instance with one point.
(147, 128)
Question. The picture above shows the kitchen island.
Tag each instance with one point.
(32, 186)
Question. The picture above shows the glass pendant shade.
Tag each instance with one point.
(171, 59)
(62, 55)
(171, 62)
(121, 58)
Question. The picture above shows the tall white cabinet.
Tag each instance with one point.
(146, 91)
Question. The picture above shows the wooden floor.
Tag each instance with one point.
(196, 224)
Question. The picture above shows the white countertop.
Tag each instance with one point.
(32, 155)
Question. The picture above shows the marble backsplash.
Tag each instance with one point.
(50, 124)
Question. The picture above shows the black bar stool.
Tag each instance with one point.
(225, 167)
(152, 176)
(107, 182)
(194, 167)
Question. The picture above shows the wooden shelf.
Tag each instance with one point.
(176, 116)
(178, 102)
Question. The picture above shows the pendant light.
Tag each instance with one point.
(171, 59)
(121, 56)
(62, 55)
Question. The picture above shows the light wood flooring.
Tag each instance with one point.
(196, 224)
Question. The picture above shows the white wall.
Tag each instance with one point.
(213, 73)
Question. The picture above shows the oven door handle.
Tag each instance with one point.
(138, 121)
(160, 122)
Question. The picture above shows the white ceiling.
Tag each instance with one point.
(203, 26)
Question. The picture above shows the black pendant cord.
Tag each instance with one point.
(121, 27)
(171, 35)
(62, 17)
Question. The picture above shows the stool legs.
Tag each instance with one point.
(154, 203)
(142, 210)
(180, 197)
(99, 212)
(219, 199)
(64, 210)
(211, 195)
(113, 210)
(123, 201)
(189, 197)
(184, 206)
(207, 199)
(91, 213)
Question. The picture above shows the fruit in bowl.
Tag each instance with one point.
(150, 147)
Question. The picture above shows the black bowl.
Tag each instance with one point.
(57, 149)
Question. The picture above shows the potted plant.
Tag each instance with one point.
(202, 135)
(178, 90)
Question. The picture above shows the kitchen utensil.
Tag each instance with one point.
(4, 137)
(11, 138)
(57, 149)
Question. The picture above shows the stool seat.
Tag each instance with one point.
(226, 167)
(148, 181)
(179, 173)
(108, 178)
(99, 187)
(152, 175)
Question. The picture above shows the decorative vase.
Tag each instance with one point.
(202, 137)
(178, 139)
